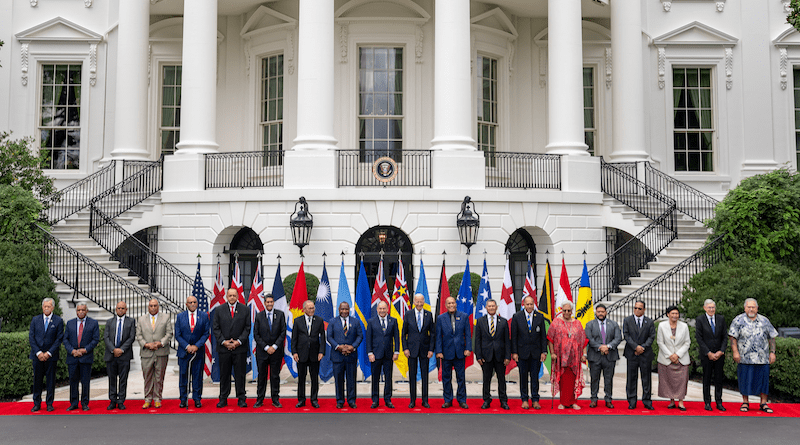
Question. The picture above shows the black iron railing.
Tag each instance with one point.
(244, 169)
(627, 167)
(131, 191)
(79, 195)
(523, 170)
(667, 289)
(689, 201)
(617, 269)
(381, 168)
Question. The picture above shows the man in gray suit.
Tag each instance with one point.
(119, 334)
(154, 332)
(604, 337)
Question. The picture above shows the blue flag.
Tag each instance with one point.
(422, 288)
(324, 308)
(344, 290)
(362, 309)
(484, 294)
(279, 296)
(464, 304)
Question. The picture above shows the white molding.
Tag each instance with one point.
(609, 60)
(787, 6)
(719, 5)
(24, 63)
(251, 29)
(540, 40)
(509, 31)
(729, 68)
(786, 40)
(684, 36)
(87, 3)
(343, 30)
(289, 55)
(39, 33)
(662, 67)
(419, 43)
(34, 3)
(420, 16)
(92, 64)
(784, 66)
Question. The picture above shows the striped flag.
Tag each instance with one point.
(211, 365)
(506, 307)
(361, 306)
(564, 292)
(397, 310)
(199, 292)
(380, 291)
(545, 305)
(299, 296)
(530, 283)
(444, 294)
(279, 296)
(584, 310)
(256, 304)
(236, 282)
(464, 304)
(324, 308)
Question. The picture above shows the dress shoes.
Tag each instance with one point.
(374, 405)
(649, 406)
(631, 405)
(593, 404)
(339, 405)
(315, 404)
(389, 405)
(425, 404)
(300, 404)
(242, 404)
(111, 406)
(85, 408)
(609, 405)
(37, 408)
(536, 405)
(525, 405)
(446, 405)
(258, 404)
(198, 404)
(486, 405)
(505, 406)
(720, 407)
(121, 406)
(72, 408)
(708, 407)
(183, 404)
(352, 405)
(146, 405)
(157, 405)
(277, 404)
(222, 404)
(50, 408)
(463, 405)
(682, 408)
(412, 405)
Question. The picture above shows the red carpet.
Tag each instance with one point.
(401, 404)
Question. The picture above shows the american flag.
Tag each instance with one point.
(256, 304)
(380, 292)
(219, 298)
(530, 285)
(236, 282)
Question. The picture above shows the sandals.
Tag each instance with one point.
(745, 407)
(764, 407)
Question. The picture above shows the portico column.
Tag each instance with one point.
(627, 91)
(130, 109)
(199, 78)
(564, 80)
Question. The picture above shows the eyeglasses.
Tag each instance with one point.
(638, 308)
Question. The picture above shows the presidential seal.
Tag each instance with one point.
(384, 169)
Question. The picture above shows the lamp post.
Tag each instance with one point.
(301, 223)
(468, 222)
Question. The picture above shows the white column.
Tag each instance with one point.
(199, 78)
(130, 110)
(452, 120)
(627, 91)
(565, 78)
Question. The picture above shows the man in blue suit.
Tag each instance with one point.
(80, 339)
(191, 331)
(383, 348)
(418, 335)
(45, 336)
(344, 336)
(453, 344)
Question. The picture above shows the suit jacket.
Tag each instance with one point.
(528, 344)
(634, 336)
(708, 340)
(382, 344)
(184, 335)
(145, 333)
(679, 345)
(128, 334)
(418, 343)
(449, 343)
(89, 340)
(492, 348)
(226, 328)
(266, 337)
(308, 346)
(336, 337)
(613, 339)
(49, 341)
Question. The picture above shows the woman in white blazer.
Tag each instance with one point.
(673, 358)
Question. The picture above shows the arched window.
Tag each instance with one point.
(390, 240)
(521, 247)
(248, 245)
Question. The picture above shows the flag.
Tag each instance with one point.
(236, 282)
(299, 296)
(529, 290)
(362, 304)
(564, 292)
(464, 304)
(506, 307)
(279, 297)
(325, 310)
(380, 291)
(584, 311)
(484, 294)
(199, 292)
(256, 304)
(397, 310)
(444, 294)
(422, 288)
(212, 365)
(344, 290)
(545, 306)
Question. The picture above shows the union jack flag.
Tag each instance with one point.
(256, 304)
(380, 292)
(219, 298)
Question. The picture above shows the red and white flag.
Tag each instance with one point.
(506, 307)
(564, 292)
(529, 290)
(380, 292)
(236, 282)
(219, 298)
(256, 304)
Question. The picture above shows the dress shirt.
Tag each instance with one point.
(639, 321)
(269, 323)
(46, 320)
(420, 316)
(120, 322)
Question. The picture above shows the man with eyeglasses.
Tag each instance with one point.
(639, 333)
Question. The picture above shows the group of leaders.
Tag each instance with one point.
(525, 339)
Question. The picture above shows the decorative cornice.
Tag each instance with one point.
(290, 52)
(93, 64)
(784, 67)
(344, 29)
(149, 62)
(87, 3)
(418, 43)
(718, 4)
(24, 63)
(608, 68)
(542, 67)
(729, 68)
(511, 49)
(667, 5)
(662, 67)
(34, 3)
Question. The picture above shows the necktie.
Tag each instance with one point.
(269, 320)
(529, 323)
(80, 332)
(119, 331)
(383, 324)
(419, 321)
(308, 322)
(153, 322)
(232, 311)
(491, 326)
(603, 332)
(713, 328)
(46, 323)
(639, 322)
(345, 326)
(191, 322)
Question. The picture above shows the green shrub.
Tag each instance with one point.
(454, 284)
(24, 283)
(18, 166)
(312, 284)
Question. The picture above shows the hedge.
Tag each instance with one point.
(454, 284)
(312, 285)
(784, 374)
(16, 370)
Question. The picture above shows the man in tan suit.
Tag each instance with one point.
(154, 332)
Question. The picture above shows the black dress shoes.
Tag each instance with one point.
(463, 405)
(72, 408)
(314, 404)
(352, 405)
(609, 405)
(412, 405)
(649, 406)
(389, 405)
(300, 404)
(258, 404)
(339, 405)
(183, 404)
(708, 407)
(198, 404)
(504, 405)
(242, 404)
(222, 404)
(720, 407)
(486, 405)
(277, 404)
(446, 405)
(85, 408)
(632, 405)
(111, 406)
(50, 408)
(37, 408)
(374, 405)
(121, 406)
(425, 404)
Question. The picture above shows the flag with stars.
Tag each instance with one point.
(324, 308)
(199, 292)
(361, 307)
(464, 304)
(279, 296)
(343, 296)
(212, 365)
(397, 310)
(484, 294)
(506, 307)
(256, 304)
(299, 296)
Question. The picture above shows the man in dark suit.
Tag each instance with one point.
(383, 348)
(493, 352)
(269, 333)
(45, 336)
(192, 328)
(419, 332)
(604, 337)
(308, 348)
(711, 333)
(453, 343)
(81, 337)
(231, 327)
(344, 336)
(639, 333)
(529, 350)
(118, 336)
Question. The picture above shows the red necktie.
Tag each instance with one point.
(191, 322)
(232, 311)
(80, 332)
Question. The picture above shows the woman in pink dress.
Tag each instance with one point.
(567, 350)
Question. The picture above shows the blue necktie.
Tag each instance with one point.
(383, 324)
(119, 332)
(529, 324)
(713, 328)
(419, 321)
(269, 321)
(46, 323)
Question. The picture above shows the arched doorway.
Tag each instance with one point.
(520, 244)
(247, 245)
(390, 240)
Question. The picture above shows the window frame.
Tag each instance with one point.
(160, 105)
(714, 119)
(260, 146)
(596, 128)
(490, 162)
(82, 115)
(358, 116)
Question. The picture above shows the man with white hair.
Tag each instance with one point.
(45, 336)
(712, 340)
(753, 345)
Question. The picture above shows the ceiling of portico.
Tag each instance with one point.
(521, 8)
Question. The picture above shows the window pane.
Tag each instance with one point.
(705, 78)
(680, 162)
(693, 140)
(692, 78)
(61, 74)
(678, 77)
(705, 98)
(380, 94)
(680, 119)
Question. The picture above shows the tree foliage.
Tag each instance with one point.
(729, 283)
(24, 283)
(19, 211)
(312, 284)
(454, 284)
(19, 166)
